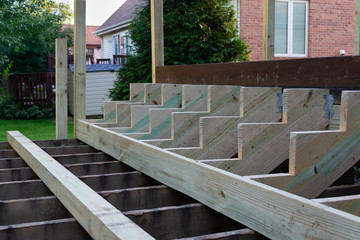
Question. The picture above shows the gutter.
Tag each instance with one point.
(113, 27)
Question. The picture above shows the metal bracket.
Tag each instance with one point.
(328, 106)
(280, 102)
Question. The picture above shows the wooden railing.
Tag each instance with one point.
(119, 59)
(32, 88)
(51, 61)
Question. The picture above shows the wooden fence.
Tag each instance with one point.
(51, 61)
(32, 88)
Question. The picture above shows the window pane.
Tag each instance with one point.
(299, 28)
(281, 27)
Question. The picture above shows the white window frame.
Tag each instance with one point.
(126, 38)
(290, 29)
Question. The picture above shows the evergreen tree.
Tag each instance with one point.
(195, 32)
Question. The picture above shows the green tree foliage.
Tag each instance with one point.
(195, 32)
(28, 29)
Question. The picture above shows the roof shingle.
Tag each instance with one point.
(124, 13)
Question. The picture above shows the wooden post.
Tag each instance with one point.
(357, 28)
(269, 29)
(157, 36)
(61, 88)
(79, 62)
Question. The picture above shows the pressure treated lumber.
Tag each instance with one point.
(350, 204)
(181, 127)
(140, 93)
(357, 28)
(272, 212)
(61, 88)
(264, 146)
(79, 61)
(218, 135)
(100, 219)
(156, 96)
(193, 97)
(157, 36)
(319, 158)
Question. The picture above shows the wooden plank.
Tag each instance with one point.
(272, 212)
(269, 29)
(357, 28)
(100, 219)
(350, 204)
(243, 234)
(319, 158)
(194, 97)
(218, 135)
(328, 72)
(182, 221)
(50, 208)
(61, 88)
(157, 36)
(83, 169)
(62, 229)
(263, 147)
(79, 61)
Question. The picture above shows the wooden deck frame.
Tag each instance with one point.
(270, 211)
(99, 218)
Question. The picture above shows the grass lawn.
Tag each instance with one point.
(39, 129)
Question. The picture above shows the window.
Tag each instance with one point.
(120, 45)
(291, 28)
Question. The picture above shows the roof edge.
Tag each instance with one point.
(111, 28)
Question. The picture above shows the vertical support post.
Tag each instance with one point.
(61, 88)
(357, 28)
(157, 36)
(79, 62)
(269, 29)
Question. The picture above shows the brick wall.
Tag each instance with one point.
(251, 26)
(331, 27)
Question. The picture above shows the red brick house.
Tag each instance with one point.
(303, 28)
(93, 42)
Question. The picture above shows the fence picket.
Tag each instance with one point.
(32, 89)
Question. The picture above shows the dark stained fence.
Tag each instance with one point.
(328, 72)
(51, 61)
(119, 59)
(33, 88)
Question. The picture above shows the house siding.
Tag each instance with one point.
(106, 48)
(331, 27)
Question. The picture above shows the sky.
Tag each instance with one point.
(97, 11)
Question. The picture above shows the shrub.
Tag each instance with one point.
(9, 109)
(195, 32)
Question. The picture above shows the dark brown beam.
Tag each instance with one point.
(83, 169)
(63, 229)
(330, 72)
(63, 159)
(10, 153)
(163, 223)
(242, 234)
(36, 188)
(182, 221)
(50, 208)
